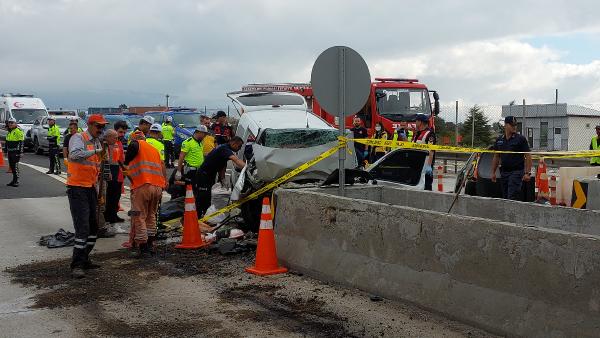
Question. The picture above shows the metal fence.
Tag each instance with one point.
(547, 127)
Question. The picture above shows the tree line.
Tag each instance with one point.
(485, 132)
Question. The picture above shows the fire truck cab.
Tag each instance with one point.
(393, 102)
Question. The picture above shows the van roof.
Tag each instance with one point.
(282, 119)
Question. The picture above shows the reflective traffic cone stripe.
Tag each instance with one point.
(191, 238)
(440, 178)
(266, 253)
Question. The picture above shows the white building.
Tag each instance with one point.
(556, 126)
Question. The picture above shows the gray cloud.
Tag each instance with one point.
(107, 52)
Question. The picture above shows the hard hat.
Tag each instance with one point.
(51, 118)
(147, 119)
(96, 118)
(202, 128)
(12, 119)
(169, 118)
(156, 127)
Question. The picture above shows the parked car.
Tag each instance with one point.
(184, 122)
(401, 167)
(39, 130)
(278, 138)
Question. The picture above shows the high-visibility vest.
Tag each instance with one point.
(168, 132)
(115, 156)
(596, 159)
(158, 146)
(84, 173)
(146, 167)
(409, 135)
(208, 144)
(54, 131)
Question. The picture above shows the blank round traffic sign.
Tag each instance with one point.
(340, 78)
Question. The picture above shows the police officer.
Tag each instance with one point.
(214, 165)
(154, 139)
(514, 168)
(192, 155)
(595, 161)
(14, 148)
(53, 142)
(359, 132)
(425, 135)
(168, 134)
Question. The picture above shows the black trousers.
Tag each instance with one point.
(428, 182)
(54, 160)
(169, 153)
(205, 183)
(83, 203)
(13, 164)
(113, 195)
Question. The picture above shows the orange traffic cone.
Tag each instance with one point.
(191, 239)
(266, 254)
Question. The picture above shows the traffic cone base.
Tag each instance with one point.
(191, 237)
(266, 253)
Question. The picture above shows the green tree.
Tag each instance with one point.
(483, 130)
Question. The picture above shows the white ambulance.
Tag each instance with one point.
(25, 109)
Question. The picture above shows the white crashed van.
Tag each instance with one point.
(279, 135)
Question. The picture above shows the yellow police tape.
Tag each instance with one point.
(276, 183)
(396, 144)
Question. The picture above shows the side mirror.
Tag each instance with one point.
(181, 125)
(436, 103)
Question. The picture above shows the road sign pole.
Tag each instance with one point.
(342, 116)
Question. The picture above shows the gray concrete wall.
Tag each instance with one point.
(514, 280)
(527, 214)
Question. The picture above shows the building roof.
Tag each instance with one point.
(551, 110)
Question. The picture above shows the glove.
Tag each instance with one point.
(178, 176)
(428, 170)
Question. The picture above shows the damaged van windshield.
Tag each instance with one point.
(297, 138)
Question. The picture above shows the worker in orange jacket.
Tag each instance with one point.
(85, 153)
(148, 176)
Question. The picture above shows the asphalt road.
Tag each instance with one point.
(34, 184)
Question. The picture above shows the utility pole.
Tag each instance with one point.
(523, 128)
(167, 96)
(473, 130)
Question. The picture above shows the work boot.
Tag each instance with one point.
(57, 173)
(50, 172)
(90, 266)
(150, 245)
(10, 184)
(107, 232)
(77, 273)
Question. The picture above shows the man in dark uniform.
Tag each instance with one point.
(425, 135)
(514, 168)
(358, 132)
(214, 164)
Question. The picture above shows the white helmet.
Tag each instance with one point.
(148, 119)
(156, 127)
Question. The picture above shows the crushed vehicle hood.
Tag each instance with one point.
(272, 163)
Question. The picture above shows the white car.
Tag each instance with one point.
(401, 167)
(39, 131)
(279, 135)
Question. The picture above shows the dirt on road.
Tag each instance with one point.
(201, 293)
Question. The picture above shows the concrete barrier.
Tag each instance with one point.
(509, 279)
(521, 213)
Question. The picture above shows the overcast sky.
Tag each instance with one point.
(78, 53)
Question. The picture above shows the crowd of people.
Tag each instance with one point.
(102, 157)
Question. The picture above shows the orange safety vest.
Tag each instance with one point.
(84, 173)
(146, 167)
(116, 155)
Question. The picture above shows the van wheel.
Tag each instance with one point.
(36, 147)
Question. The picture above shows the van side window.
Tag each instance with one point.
(3, 117)
(248, 150)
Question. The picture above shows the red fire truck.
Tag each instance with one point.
(393, 102)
